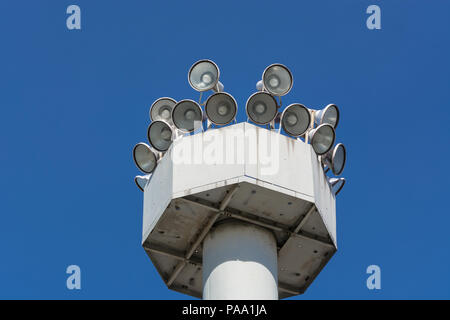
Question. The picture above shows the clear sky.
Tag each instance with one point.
(74, 102)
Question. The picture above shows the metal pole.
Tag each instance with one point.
(240, 263)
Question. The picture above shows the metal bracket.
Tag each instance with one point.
(202, 235)
(272, 225)
(179, 256)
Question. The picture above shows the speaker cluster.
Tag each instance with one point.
(316, 127)
(171, 119)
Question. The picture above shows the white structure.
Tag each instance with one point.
(239, 212)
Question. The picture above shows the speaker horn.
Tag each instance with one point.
(161, 109)
(322, 138)
(221, 108)
(261, 108)
(187, 116)
(329, 114)
(203, 75)
(335, 159)
(295, 119)
(141, 181)
(276, 79)
(159, 135)
(144, 158)
(336, 184)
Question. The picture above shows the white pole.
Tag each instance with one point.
(240, 263)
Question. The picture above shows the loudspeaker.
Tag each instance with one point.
(159, 135)
(329, 114)
(335, 159)
(203, 75)
(277, 80)
(144, 158)
(187, 116)
(141, 181)
(161, 109)
(261, 108)
(336, 184)
(295, 119)
(322, 138)
(221, 108)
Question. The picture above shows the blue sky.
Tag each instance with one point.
(75, 102)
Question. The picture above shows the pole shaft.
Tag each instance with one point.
(240, 262)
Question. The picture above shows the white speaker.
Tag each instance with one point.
(336, 184)
(141, 181)
(159, 135)
(221, 108)
(261, 108)
(335, 159)
(187, 116)
(322, 138)
(295, 119)
(144, 158)
(329, 114)
(203, 75)
(277, 80)
(161, 109)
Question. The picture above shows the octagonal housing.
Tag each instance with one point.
(250, 174)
